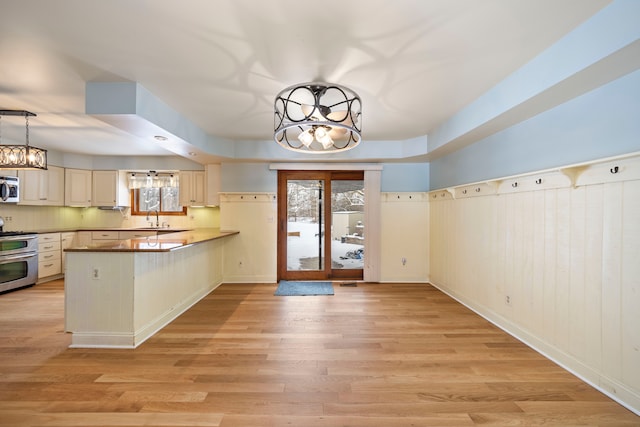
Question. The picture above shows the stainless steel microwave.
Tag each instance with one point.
(9, 189)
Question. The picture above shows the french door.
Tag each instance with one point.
(320, 225)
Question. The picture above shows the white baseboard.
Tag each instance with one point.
(617, 391)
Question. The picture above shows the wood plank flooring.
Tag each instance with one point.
(394, 355)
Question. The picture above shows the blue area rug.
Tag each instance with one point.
(286, 288)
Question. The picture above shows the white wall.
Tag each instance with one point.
(555, 264)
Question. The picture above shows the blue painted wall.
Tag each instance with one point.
(404, 177)
(602, 123)
(248, 177)
(256, 177)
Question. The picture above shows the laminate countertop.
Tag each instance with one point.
(160, 243)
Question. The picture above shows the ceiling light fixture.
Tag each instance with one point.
(21, 156)
(317, 118)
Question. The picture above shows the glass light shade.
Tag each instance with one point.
(306, 138)
(322, 136)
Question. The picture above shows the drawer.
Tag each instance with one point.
(124, 235)
(104, 235)
(48, 246)
(49, 268)
(48, 256)
(48, 237)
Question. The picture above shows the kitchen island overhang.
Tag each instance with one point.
(119, 294)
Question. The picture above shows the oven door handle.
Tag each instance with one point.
(12, 258)
(19, 237)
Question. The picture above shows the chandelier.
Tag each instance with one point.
(21, 156)
(317, 118)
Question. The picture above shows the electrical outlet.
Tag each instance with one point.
(95, 273)
(404, 261)
(507, 300)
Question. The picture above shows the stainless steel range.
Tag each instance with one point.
(18, 259)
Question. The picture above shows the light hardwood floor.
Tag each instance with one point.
(372, 355)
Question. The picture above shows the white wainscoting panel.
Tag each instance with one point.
(251, 257)
(558, 267)
(135, 294)
(404, 235)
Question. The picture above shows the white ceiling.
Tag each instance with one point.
(220, 63)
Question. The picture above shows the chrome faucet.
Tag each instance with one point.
(157, 217)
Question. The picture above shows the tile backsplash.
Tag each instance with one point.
(33, 218)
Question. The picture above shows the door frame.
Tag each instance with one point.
(327, 273)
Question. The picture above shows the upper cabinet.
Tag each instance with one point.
(213, 185)
(77, 187)
(42, 187)
(192, 188)
(110, 189)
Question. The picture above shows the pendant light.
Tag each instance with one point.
(21, 156)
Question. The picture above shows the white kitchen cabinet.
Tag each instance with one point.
(67, 240)
(192, 188)
(110, 189)
(49, 262)
(213, 185)
(104, 236)
(133, 234)
(42, 187)
(77, 187)
(83, 238)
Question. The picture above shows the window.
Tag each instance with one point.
(154, 192)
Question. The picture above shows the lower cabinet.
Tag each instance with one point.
(125, 235)
(49, 256)
(86, 238)
(67, 240)
(51, 246)
(104, 236)
(83, 238)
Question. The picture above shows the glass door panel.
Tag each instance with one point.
(305, 225)
(347, 224)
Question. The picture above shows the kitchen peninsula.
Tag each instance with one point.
(119, 294)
